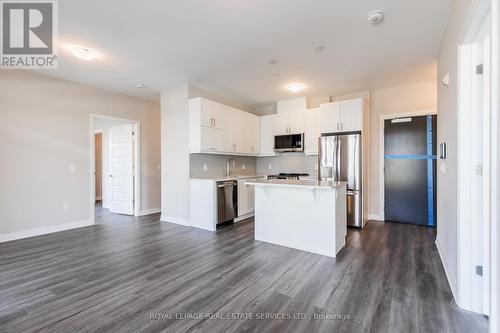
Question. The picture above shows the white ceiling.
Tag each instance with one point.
(225, 45)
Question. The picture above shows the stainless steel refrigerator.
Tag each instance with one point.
(340, 160)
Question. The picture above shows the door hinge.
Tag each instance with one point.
(479, 170)
(479, 270)
(479, 69)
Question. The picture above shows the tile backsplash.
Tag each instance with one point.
(285, 162)
(288, 162)
(216, 165)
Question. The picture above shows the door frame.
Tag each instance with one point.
(383, 118)
(466, 297)
(495, 170)
(137, 161)
(102, 173)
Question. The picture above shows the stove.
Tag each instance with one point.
(293, 176)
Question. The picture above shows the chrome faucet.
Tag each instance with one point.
(228, 167)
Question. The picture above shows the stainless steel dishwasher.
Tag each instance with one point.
(227, 201)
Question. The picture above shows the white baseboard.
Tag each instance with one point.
(451, 279)
(176, 220)
(377, 217)
(149, 211)
(44, 230)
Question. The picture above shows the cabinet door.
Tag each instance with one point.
(296, 121)
(330, 117)
(281, 123)
(351, 115)
(205, 109)
(211, 139)
(218, 113)
(313, 131)
(267, 130)
(242, 197)
(233, 136)
(253, 135)
(250, 199)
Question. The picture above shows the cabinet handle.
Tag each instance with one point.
(341, 126)
(337, 126)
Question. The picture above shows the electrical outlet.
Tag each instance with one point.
(270, 167)
(66, 205)
(205, 167)
(243, 166)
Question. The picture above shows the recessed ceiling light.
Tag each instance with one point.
(272, 62)
(376, 17)
(139, 85)
(83, 53)
(295, 87)
(320, 48)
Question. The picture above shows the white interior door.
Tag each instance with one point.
(121, 169)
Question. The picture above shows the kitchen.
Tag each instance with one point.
(237, 157)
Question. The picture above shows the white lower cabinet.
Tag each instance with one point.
(246, 198)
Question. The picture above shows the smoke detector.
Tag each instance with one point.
(376, 17)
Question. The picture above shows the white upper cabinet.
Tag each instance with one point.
(330, 117)
(220, 129)
(267, 130)
(343, 116)
(211, 113)
(290, 118)
(251, 134)
(352, 115)
(232, 137)
(313, 131)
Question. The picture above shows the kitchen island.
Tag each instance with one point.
(308, 215)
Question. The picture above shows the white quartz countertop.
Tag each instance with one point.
(306, 183)
(220, 179)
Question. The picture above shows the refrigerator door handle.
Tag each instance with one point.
(338, 159)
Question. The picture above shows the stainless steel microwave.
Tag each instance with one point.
(289, 142)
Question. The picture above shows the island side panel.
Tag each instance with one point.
(340, 218)
(296, 217)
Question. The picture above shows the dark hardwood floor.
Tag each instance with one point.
(140, 275)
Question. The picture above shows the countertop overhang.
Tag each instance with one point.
(303, 183)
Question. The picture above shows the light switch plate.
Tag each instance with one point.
(66, 206)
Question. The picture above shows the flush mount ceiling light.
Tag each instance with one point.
(83, 53)
(140, 85)
(295, 87)
(376, 17)
(320, 48)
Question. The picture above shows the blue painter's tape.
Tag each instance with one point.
(430, 177)
(411, 157)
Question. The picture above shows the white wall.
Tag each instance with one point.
(175, 155)
(458, 23)
(401, 99)
(44, 127)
